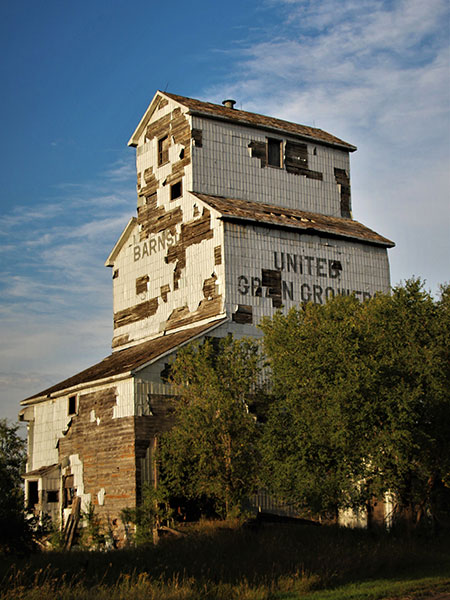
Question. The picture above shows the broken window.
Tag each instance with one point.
(163, 150)
(69, 491)
(33, 494)
(52, 496)
(175, 190)
(343, 181)
(72, 405)
(274, 152)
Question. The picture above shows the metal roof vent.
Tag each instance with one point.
(229, 103)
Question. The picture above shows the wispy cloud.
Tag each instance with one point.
(375, 73)
(56, 304)
(123, 169)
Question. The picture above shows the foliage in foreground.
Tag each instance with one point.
(16, 533)
(224, 562)
(211, 452)
(362, 404)
(153, 511)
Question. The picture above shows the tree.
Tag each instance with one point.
(362, 404)
(211, 452)
(15, 531)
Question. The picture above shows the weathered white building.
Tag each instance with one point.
(238, 215)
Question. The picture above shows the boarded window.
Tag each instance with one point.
(296, 157)
(274, 154)
(72, 405)
(163, 150)
(142, 284)
(175, 190)
(243, 314)
(217, 255)
(272, 280)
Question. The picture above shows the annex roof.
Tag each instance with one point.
(128, 360)
(199, 107)
(41, 472)
(233, 209)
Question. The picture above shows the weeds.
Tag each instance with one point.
(227, 562)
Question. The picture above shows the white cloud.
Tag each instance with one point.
(375, 73)
(56, 302)
(123, 169)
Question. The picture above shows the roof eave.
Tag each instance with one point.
(134, 139)
(120, 242)
(221, 320)
(308, 230)
(76, 388)
(345, 146)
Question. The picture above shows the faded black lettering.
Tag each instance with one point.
(243, 285)
(317, 294)
(288, 290)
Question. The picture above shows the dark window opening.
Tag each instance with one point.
(166, 373)
(274, 154)
(336, 265)
(115, 274)
(72, 405)
(69, 491)
(163, 150)
(175, 190)
(52, 496)
(33, 494)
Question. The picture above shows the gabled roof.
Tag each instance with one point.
(129, 360)
(120, 242)
(232, 209)
(242, 117)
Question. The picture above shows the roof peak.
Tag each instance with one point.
(218, 111)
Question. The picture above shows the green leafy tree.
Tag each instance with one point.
(153, 511)
(211, 452)
(15, 531)
(362, 401)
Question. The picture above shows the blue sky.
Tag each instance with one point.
(77, 77)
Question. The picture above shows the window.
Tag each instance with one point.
(175, 190)
(163, 150)
(142, 284)
(68, 491)
(52, 496)
(33, 494)
(274, 152)
(72, 405)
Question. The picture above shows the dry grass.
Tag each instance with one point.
(226, 561)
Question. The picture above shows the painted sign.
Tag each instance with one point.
(154, 244)
(302, 266)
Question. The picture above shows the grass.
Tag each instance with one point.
(227, 561)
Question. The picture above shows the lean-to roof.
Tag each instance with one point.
(233, 209)
(129, 359)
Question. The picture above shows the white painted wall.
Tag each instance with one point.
(51, 419)
(224, 167)
(249, 249)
